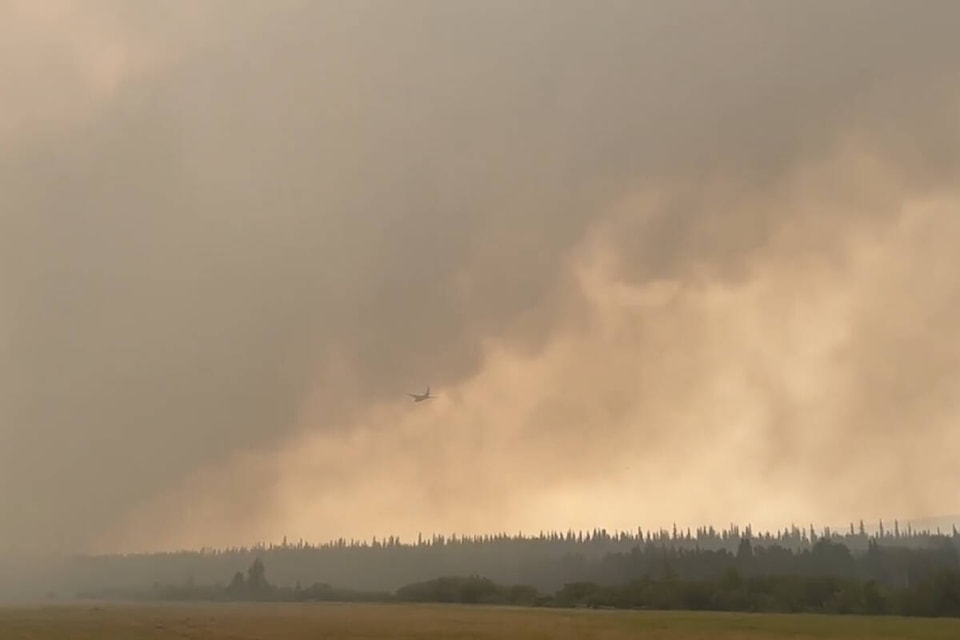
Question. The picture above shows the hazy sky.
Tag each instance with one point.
(680, 261)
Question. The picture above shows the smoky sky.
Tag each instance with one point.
(233, 239)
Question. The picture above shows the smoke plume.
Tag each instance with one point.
(660, 262)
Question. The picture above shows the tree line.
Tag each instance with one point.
(827, 577)
(546, 561)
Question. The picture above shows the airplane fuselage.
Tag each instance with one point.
(420, 397)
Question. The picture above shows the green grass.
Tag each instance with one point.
(423, 622)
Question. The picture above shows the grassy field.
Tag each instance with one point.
(423, 622)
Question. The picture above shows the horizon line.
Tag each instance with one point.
(871, 530)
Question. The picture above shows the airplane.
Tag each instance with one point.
(420, 397)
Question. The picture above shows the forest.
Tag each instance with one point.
(890, 571)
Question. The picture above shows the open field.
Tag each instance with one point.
(423, 622)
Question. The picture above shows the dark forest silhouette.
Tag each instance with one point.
(890, 571)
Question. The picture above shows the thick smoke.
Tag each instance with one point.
(661, 262)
